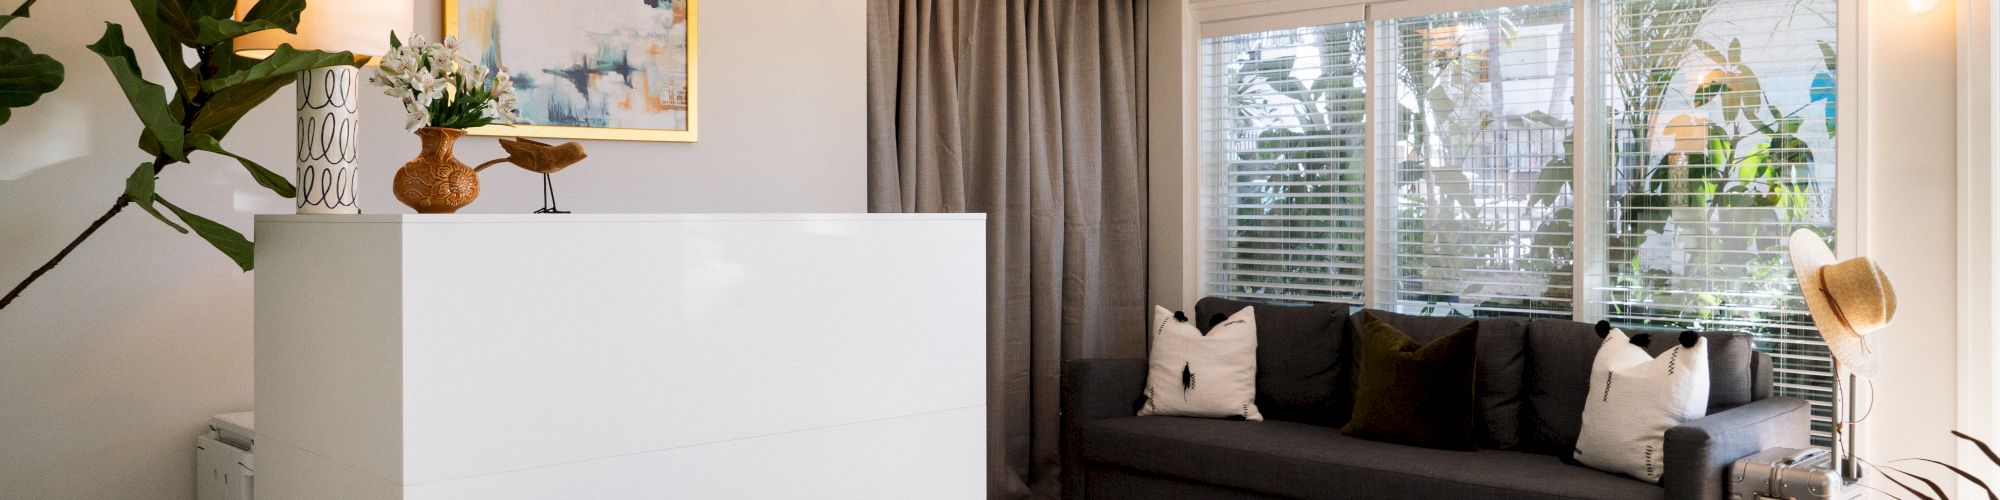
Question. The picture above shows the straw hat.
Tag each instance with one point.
(1849, 299)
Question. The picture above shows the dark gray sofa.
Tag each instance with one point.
(1533, 379)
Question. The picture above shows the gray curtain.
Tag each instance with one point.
(1031, 111)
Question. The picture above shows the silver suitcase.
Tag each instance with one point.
(1788, 474)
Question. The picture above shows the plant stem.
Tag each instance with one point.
(159, 164)
(51, 264)
(191, 108)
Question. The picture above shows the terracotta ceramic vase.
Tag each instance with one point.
(436, 182)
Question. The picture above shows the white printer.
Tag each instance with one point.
(224, 469)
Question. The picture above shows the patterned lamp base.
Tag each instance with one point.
(328, 107)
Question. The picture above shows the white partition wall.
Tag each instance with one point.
(620, 356)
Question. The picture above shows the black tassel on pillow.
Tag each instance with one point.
(1180, 316)
(1642, 340)
(1603, 328)
(1688, 338)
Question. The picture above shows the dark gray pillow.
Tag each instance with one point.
(1558, 377)
(1502, 348)
(1558, 380)
(1302, 359)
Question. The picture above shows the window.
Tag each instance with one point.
(1722, 145)
(1436, 163)
(1475, 170)
(1284, 146)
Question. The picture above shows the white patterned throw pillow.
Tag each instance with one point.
(1196, 374)
(1635, 397)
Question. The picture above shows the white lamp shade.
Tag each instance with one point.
(358, 26)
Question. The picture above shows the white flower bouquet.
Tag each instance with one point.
(441, 88)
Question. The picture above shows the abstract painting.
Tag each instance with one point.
(587, 69)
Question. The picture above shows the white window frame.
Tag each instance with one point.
(1850, 163)
(1212, 18)
(1978, 218)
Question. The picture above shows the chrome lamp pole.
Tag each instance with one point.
(1844, 454)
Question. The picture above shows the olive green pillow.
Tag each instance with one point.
(1416, 394)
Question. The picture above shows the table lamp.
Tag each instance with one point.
(329, 97)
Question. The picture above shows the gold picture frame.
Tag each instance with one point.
(451, 29)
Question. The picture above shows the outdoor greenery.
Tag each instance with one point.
(1472, 167)
(1296, 193)
(24, 75)
(211, 93)
(1719, 145)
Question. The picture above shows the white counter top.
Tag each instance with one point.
(518, 218)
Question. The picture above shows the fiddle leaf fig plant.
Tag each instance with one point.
(25, 76)
(208, 96)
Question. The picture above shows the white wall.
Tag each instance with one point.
(1911, 202)
(115, 360)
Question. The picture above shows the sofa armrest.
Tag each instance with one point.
(1094, 389)
(1700, 452)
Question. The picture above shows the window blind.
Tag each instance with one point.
(1722, 143)
(1283, 132)
(1474, 165)
(1715, 141)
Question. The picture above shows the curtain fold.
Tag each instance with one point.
(1031, 111)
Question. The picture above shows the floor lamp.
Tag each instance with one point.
(329, 98)
(1845, 458)
(1849, 300)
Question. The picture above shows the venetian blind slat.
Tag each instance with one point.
(1473, 162)
(1722, 144)
(1283, 120)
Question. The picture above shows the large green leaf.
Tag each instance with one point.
(284, 13)
(167, 26)
(228, 106)
(265, 177)
(230, 102)
(148, 99)
(1709, 50)
(211, 31)
(175, 15)
(19, 12)
(283, 64)
(230, 242)
(217, 9)
(139, 188)
(24, 76)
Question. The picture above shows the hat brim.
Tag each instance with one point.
(1854, 351)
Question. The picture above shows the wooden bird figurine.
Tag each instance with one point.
(540, 158)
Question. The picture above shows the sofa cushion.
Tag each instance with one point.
(1635, 398)
(1193, 373)
(1307, 461)
(1502, 348)
(1732, 367)
(1558, 378)
(1416, 394)
(1302, 352)
(1120, 483)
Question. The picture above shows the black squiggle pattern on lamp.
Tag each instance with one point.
(327, 110)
